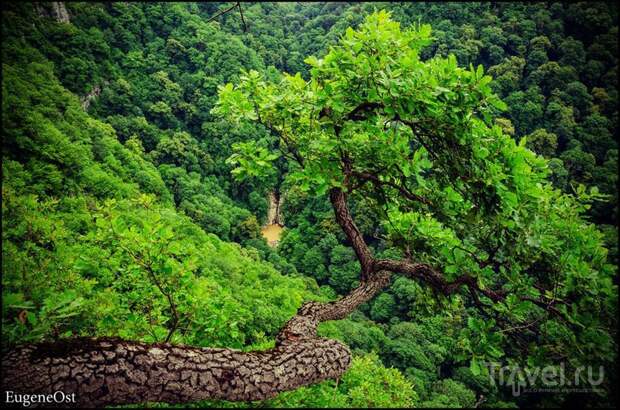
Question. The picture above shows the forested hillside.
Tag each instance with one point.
(446, 172)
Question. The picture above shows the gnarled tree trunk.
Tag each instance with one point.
(109, 371)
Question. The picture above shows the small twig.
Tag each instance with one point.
(520, 327)
(221, 12)
(335, 388)
(245, 27)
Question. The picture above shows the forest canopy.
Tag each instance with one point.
(445, 175)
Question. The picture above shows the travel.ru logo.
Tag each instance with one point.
(547, 379)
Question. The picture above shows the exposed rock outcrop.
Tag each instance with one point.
(55, 10)
(274, 213)
(60, 12)
(85, 100)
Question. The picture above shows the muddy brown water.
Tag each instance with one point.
(272, 233)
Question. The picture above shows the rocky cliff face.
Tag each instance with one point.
(274, 213)
(85, 100)
(55, 10)
(274, 225)
(60, 12)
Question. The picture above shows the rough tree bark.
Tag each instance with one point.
(109, 371)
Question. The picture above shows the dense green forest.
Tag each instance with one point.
(474, 143)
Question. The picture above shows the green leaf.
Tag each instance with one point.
(474, 367)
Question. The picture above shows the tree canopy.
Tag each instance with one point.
(469, 210)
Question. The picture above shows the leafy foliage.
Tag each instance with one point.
(463, 195)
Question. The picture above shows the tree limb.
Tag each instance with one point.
(109, 371)
(222, 12)
(238, 5)
(344, 219)
(366, 176)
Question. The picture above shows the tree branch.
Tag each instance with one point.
(222, 12)
(245, 27)
(108, 371)
(113, 371)
(344, 219)
(419, 271)
(366, 176)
